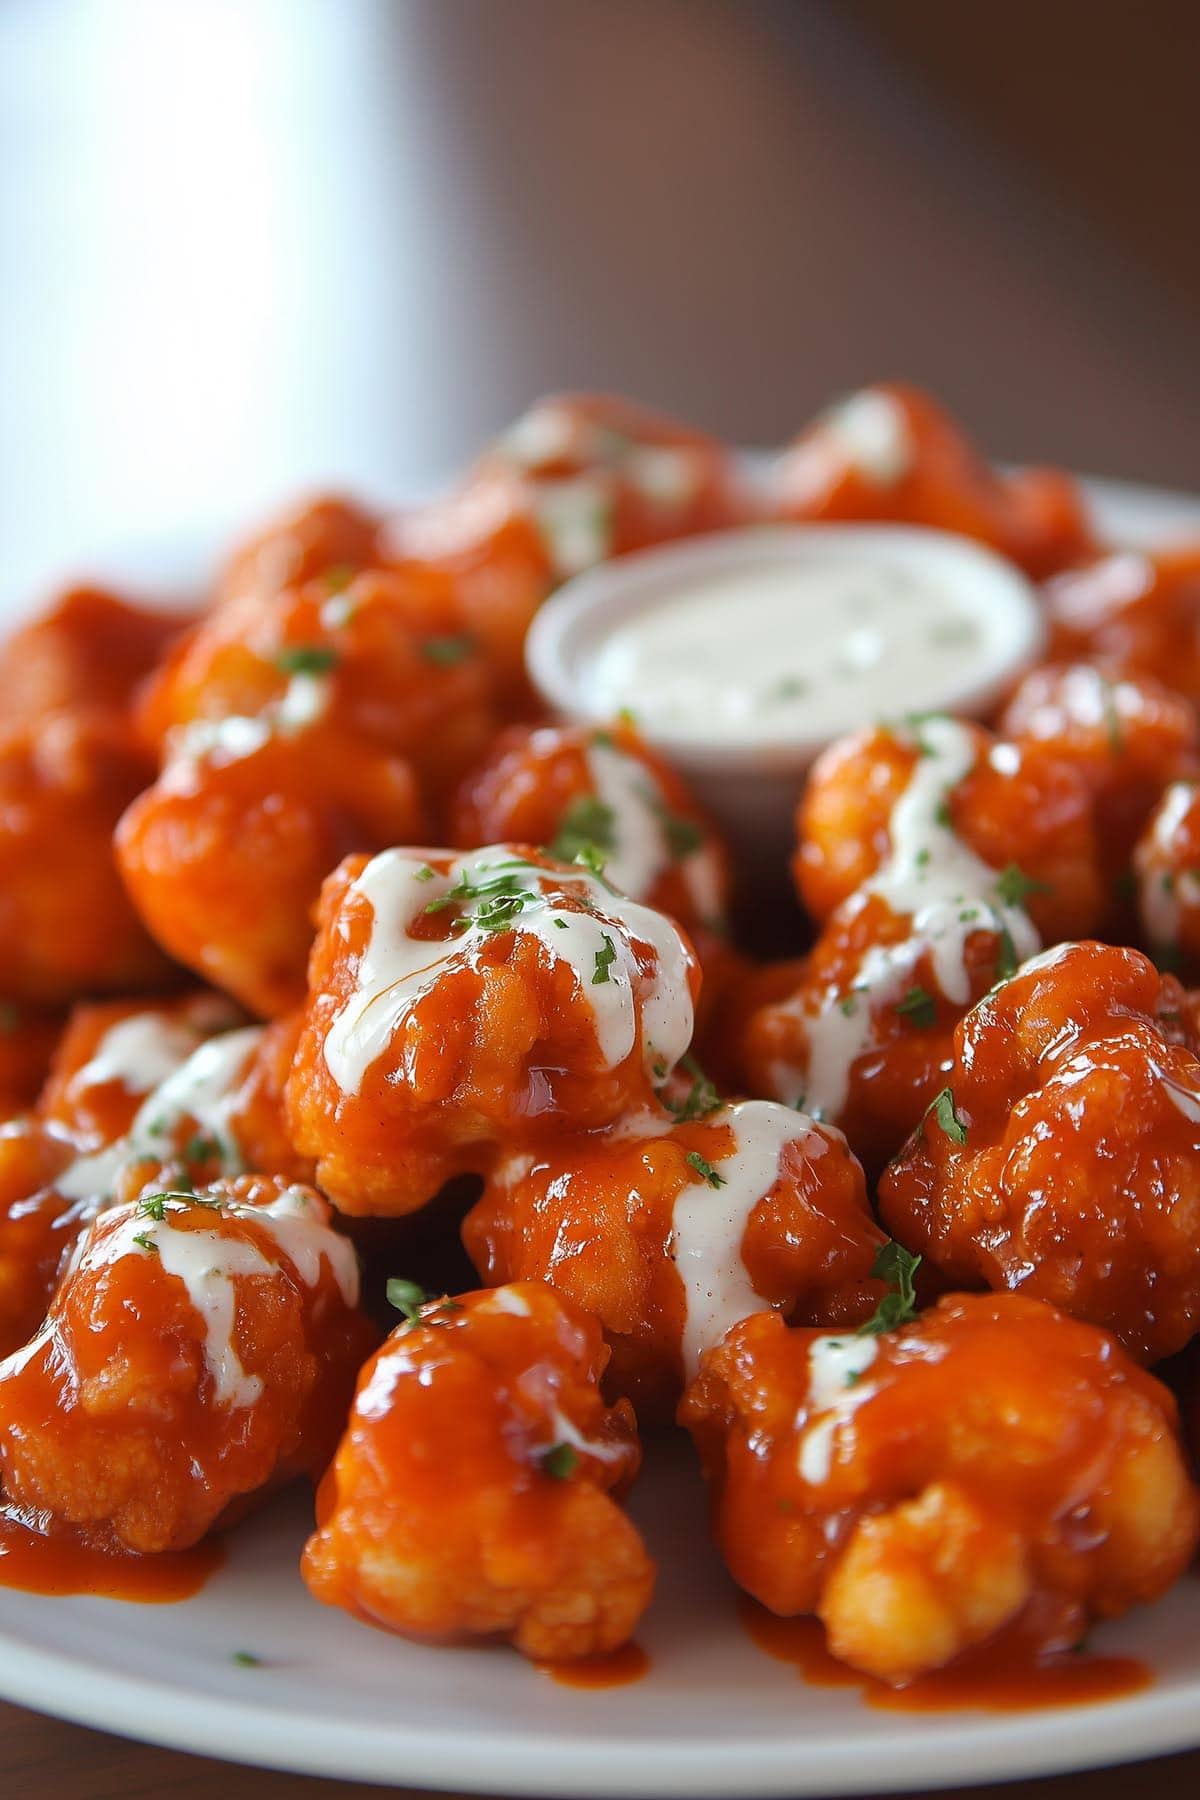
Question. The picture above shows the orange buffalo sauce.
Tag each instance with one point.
(619, 1668)
(62, 1562)
(1009, 1677)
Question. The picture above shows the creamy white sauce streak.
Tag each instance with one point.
(641, 850)
(836, 1390)
(396, 969)
(1162, 894)
(931, 877)
(203, 742)
(709, 1223)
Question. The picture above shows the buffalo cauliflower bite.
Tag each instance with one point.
(224, 856)
(29, 1037)
(89, 649)
(67, 927)
(376, 657)
(890, 453)
(992, 1467)
(1063, 1157)
(155, 1101)
(1128, 736)
(329, 537)
(937, 858)
(199, 1348)
(1167, 868)
(579, 788)
(670, 1230)
(461, 1005)
(1134, 612)
(470, 1494)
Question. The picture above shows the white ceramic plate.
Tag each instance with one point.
(713, 1716)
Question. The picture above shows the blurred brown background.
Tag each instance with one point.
(255, 244)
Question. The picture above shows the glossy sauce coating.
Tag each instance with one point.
(198, 1348)
(471, 1492)
(670, 1231)
(890, 453)
(461, 1005)
(1066, 1160)
(1133, 612)
(1167, 870)
(923, 1491)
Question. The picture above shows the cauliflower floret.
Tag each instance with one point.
(671, 1229)
(199, 1347)
(1167, 865)
(992, 1466)
(1132, 612)
(1062, 1158)
(463, 1005)
(469, 1495)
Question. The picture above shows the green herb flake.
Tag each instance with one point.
(701, 1099)
(942, 813)
(588, 823)
(605, 959)
(338, 577)
(560, 1462)
(898, 1267)
(684, 837)
(407, 1297)
(705, 1170)
(923, 857)
(201, 1148)
(849, 1005)
(943, 1110)
(246, 1659)
(425, 873)
(919, 1008)
(1006, 955)
(144, 1241)
(589, 858)
(1013, 886)
(306, 659)
(448, 652)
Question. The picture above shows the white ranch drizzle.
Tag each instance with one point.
(208, 1260)
(574, 517)
(709, 1223)
(835, 1392)
(1183, 1099)
(1163, 893)
(641, 849)
(219, 741)
(868, 431)
(396, 969)
(937, 881)
(206, 1088)
(142, 1050)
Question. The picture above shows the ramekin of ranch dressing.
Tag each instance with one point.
(743, 654)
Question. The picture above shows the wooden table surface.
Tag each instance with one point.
(41, 1759)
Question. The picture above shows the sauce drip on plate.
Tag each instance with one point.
(61, 1563)
(1011, 1678)
(619, 1668)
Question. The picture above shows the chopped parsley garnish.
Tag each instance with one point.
(848, 1004)
(424, 873)
(305, 659)
(499, 893)
(684, 837)
(923, 857)
(1013, 886)
(202, 1148)
(337, 577)
(154, 1206)
(145, 1242)
(1006, 955)
(628, 718)
(949, 1121)
(560, 1461)
(246, 1659)
(407, 1297)
(701, 1099)
(560, 924)
(919, 1007)
(446, 652)
(589, 858)
(790, 687)
(605, 959)
(588, 823)
(704, 1170)
(942, 812)
(898, 1267)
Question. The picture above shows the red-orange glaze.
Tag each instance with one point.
(64, 1562)
(536, 786)
(319, 537)
(991, 1466)
(470, 1495)
(1133, 611)
(929, 474)
(1167, 870)
(1073, 1173)
(88, 650)
(594, 1215)
(498, 1046)
(616, 1668)
(1020, 1679)
(114, 1418)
